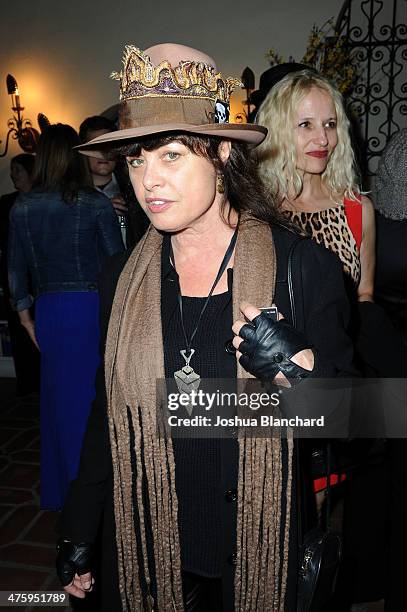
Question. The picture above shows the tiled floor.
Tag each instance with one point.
(27, 534)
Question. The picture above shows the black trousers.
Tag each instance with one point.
(201, 594)
(395, 596)
(26, 357)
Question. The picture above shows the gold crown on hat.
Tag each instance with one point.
(140, 78)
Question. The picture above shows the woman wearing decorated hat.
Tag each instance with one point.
(200, 524)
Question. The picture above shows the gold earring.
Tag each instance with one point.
(220, 183)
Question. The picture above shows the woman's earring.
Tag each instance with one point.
(220, 183)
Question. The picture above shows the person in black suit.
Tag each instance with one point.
(391, 297)
(112, 178)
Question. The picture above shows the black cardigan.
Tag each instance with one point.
(322, 314)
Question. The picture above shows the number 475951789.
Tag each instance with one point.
(38, 597)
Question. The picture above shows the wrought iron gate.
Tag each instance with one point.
(376, 32)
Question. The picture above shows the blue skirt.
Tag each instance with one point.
(67, 330)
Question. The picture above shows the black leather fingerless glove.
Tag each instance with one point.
(72, 559)
(268, 346)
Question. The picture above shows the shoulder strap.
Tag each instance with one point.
(290, 281)
(285, 255)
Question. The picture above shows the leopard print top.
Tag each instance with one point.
(330, 228)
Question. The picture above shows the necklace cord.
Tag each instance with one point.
(221, 270)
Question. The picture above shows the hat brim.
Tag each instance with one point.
(245, 132)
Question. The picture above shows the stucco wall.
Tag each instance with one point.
(61, 53)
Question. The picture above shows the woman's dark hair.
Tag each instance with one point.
(243, 188)
(26, 160)
(57, 166)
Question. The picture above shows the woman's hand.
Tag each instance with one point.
(29, 325)
(73, 567)
(80, 585)
(271, 350)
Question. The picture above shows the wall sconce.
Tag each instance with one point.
(21, 129)
(248, 84)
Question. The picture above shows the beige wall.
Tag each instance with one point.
(62, 51)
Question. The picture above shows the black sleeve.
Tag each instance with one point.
(86, 496)
(322, 311)
(379, 343)
(326, 313)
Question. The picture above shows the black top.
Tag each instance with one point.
(198, 461)
(382, 337)
(391, 269)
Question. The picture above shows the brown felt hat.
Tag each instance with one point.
(172, 88)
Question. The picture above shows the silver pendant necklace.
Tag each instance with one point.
(186, 378)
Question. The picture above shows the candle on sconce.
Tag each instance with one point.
(12, 90)
(17, 98)
(21, 129)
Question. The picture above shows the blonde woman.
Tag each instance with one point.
(307, 164)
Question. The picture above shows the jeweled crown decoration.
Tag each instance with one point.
(140, 78)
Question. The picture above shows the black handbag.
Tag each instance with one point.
(320, 556)
(320, 548)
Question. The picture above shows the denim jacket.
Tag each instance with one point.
(58, 246)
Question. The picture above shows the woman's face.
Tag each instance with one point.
(315, 130)
(175, 187)
(20, 177)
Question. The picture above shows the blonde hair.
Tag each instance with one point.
(277, 154)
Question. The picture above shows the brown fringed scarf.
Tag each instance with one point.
(134, 361)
